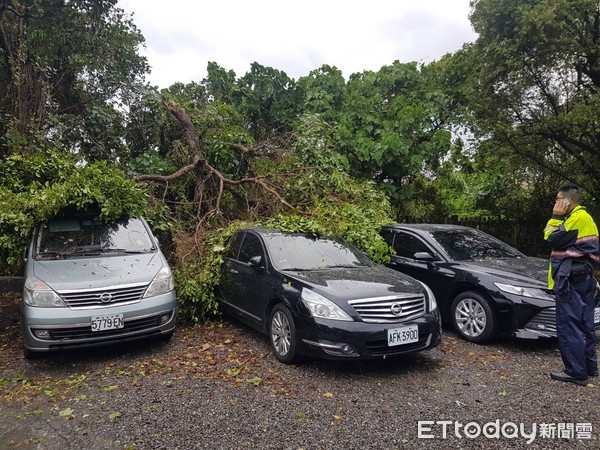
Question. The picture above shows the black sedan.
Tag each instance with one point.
(483, 286)
(321, 297)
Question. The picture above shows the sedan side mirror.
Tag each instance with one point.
(424, 256)
(256, 262)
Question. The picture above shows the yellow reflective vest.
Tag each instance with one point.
(572, 237)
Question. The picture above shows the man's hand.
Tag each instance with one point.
(560, 207)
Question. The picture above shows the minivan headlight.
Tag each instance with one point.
(322, 307)
(524, 291)
(39, 294)
(161, 284)
(430, 297)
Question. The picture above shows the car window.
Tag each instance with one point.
(388, 236)
(472, 244)
(251, 247)
(233, 247)
(302, 252)
(74, 236)
(406, 245)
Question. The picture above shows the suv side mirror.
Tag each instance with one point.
(256, 262)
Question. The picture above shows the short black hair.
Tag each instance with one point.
(572, 191)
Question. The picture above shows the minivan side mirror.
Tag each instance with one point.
(256, 262)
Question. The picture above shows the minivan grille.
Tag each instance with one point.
(99, 298)
(397, 308)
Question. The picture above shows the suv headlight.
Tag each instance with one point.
(524, 291)
(430, 297)
(322, 307)
(39, 294)
(161, 284)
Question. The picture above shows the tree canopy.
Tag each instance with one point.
(490, 130)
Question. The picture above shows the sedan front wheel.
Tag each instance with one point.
(473, 318)
(282, 334)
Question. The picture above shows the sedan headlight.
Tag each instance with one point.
(322, 307)
(431, 298)
(161, 284)
(524, 291)
(39, 294)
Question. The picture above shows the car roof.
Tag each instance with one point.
(427, 226)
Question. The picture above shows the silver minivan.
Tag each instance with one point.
(91, 283)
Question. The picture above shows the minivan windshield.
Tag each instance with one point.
(68, 237)
(301, 252)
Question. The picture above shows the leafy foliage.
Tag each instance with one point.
(66, 68)
(392, 127)
(489, 130)
(531, 81)
(330, 202)
(35, 188)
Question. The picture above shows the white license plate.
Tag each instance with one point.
(596, 315)
(403, 335)
(112, 322)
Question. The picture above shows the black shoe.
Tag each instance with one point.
(561, 376)
(593, 374)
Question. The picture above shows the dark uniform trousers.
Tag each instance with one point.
(575, 302)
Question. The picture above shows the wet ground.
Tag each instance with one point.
(217, 386)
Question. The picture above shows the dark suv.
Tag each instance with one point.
(322, 297)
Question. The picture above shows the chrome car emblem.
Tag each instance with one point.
(105, 297)
(396, 309)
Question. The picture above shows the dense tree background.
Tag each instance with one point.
(487, 132)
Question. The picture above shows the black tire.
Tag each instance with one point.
(32, 356)
(166, 337)
(473, 318)
(282, 334)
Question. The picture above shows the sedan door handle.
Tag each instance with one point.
(233, 271)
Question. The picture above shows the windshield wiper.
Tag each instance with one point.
(123, 250)
(344, 266)
(295, 269)
(50, 255)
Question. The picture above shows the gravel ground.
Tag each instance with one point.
(217, 386)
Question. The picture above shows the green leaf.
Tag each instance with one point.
(67, 412)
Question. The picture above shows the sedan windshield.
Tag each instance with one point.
(300, 252)
(80, 237)
(469, 245)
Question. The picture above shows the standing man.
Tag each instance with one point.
(573, 236)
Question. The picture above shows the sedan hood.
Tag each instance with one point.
(519, 271)
(342, 285)
(92, 273)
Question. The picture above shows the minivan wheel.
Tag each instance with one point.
(472, 317)
(30, 355)
(282, 334)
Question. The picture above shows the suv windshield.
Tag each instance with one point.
(301, 252)
(84, 236)
(465, 245)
